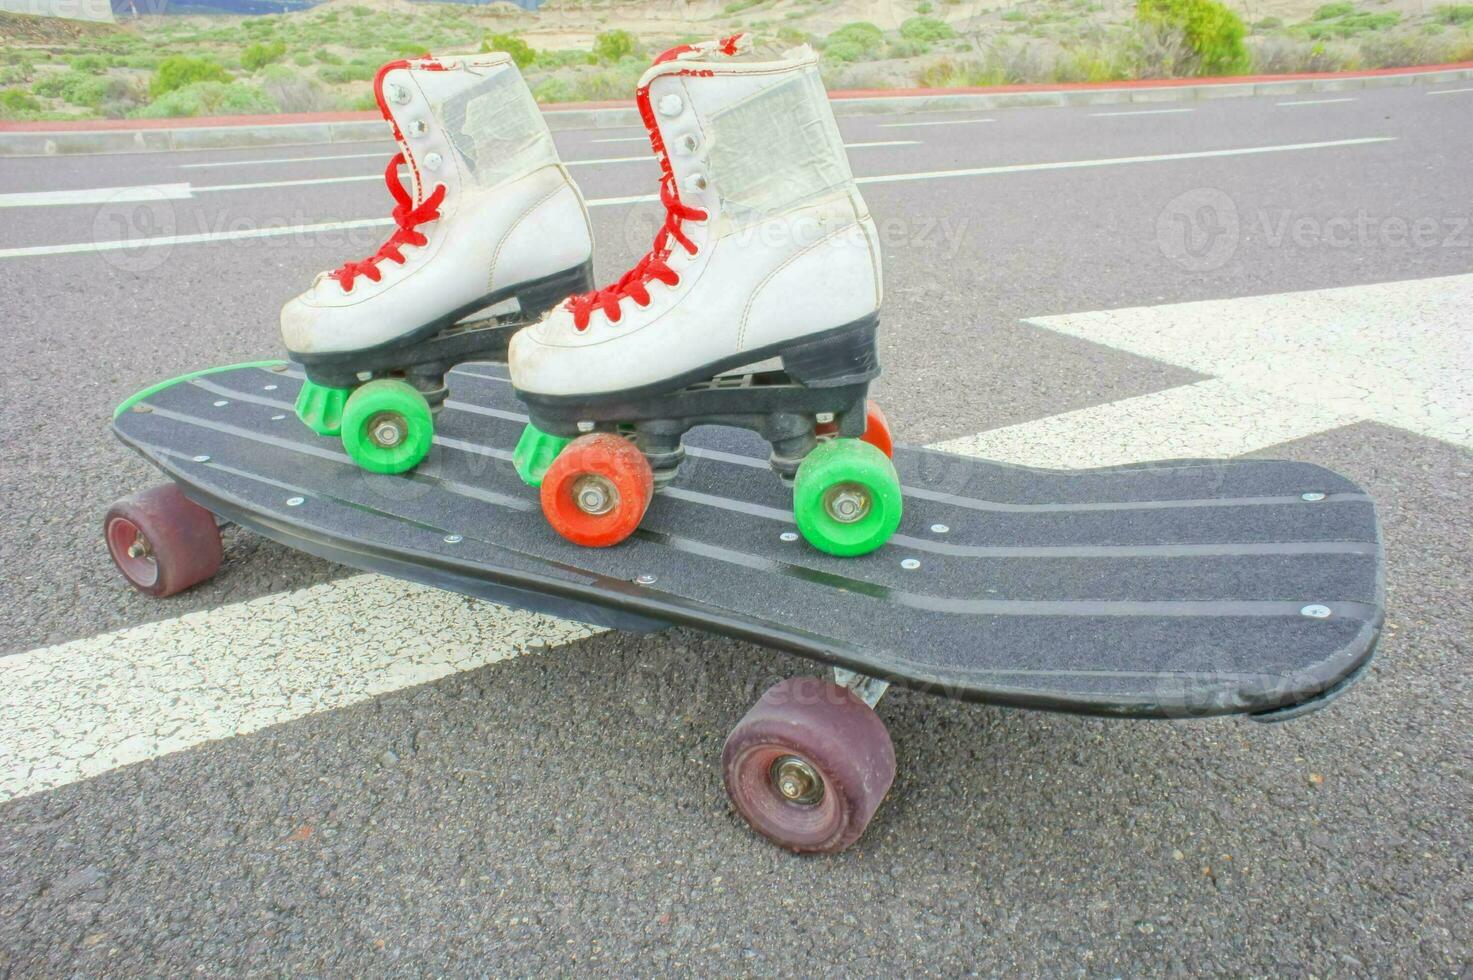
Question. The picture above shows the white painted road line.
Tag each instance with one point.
(1397, 353)
(1140, 112)
(381, 154)
(79, 709)
(29, 251)
(1314, 101)
(933, 122)
(96, 195)
(1449, 91)
(1115, 161)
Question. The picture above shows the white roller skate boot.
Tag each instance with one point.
(491, 221)
(757, 306)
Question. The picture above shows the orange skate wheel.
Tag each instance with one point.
(597, 490)
(876, 429)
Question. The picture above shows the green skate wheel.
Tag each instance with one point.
(535, 452)
(387, 426)
(846, 497)
(321, 408)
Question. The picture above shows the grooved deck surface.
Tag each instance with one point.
(1154, 590)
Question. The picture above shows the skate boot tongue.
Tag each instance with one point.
(653, 266)
(407, 216)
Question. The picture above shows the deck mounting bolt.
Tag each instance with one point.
(645, 579)
(1316, 611)
(939, 529)
(909, 564)
(295, 501)
(789, 535)
(1311, 496)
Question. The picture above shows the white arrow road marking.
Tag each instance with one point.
(1212, 418)
(96, 195)
(162, 240)
(1396, 352)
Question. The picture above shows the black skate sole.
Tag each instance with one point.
(826, 374)
(442, 343)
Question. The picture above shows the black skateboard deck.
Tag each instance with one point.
(1171, 589)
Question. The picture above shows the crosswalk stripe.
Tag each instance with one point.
(79, 709)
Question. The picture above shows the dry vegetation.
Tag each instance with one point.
(592, 50)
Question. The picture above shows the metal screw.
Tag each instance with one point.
(139, 548)
(595, 495)
(1316, 611)
(1311, 496)
(221, 403)
(645, 579)
(295, 501)
(909, 564)
(939, 528)
(789, 535)
(585, 426)
(202, 459)
(453, 539)
(387, 430)
(277, 418)
(433, 161)
(823, 417)
(269, 388)
(797, 781)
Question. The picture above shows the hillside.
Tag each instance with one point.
(579, 50)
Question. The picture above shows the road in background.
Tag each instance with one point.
(564, 809)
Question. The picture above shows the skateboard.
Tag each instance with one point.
(1179, 589)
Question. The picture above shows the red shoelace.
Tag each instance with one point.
(652, 266)
(406, 216)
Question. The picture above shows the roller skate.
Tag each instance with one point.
(492, 232)
(757, 307)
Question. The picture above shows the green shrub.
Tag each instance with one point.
(553, 90)
(358, 71)
(521, 52)
(924, 7)
(867, 36)
(926, 30)
(1213, 32)
(209, 99)
(845, 51)
(1268, 24)
(292, 91)
(613, 46)
(260, 54)
(1459, 13)
(90, 63)
(16, 103)
(178, 71)
(326, 57)
(1330, 11)
(906, 49)
(301, 59)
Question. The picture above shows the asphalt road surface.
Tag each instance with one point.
(298, 769)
